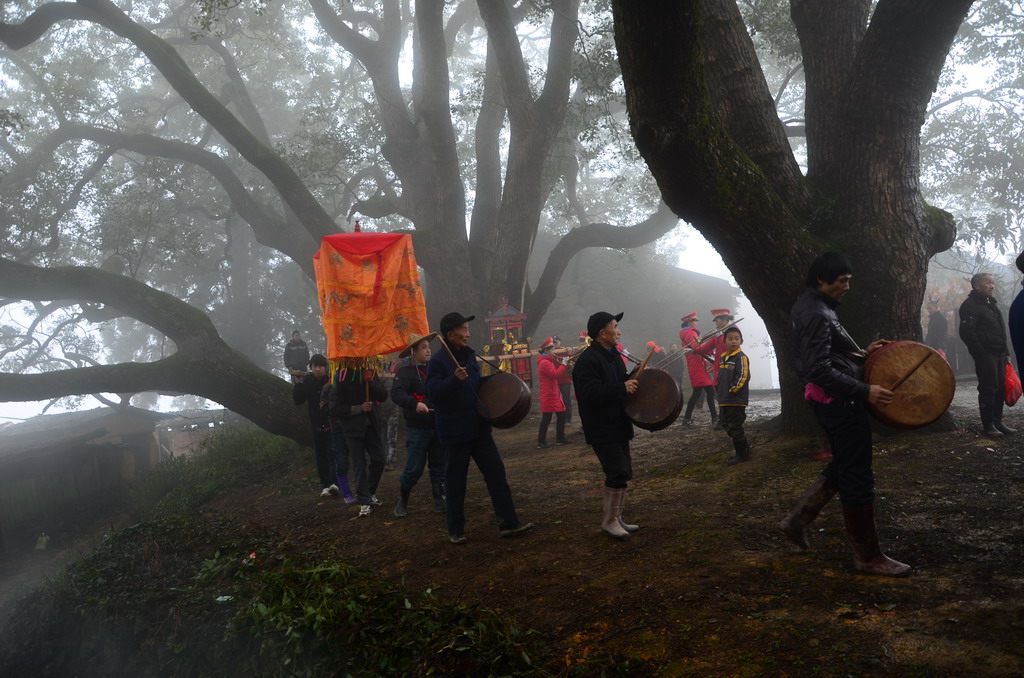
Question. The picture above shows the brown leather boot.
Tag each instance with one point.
(612, 508)
(867, 556)
(806, 510)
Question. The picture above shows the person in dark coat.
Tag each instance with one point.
(1016, 318)
(937, 335)
(296, 355)
(601, 385)
(983, 332)
(422, 448)
(830, 365)
(354, 400)
(307, 389)
(453, 388)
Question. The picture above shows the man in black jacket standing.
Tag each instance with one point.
(830, 365)
(982, 330)
(601, 387)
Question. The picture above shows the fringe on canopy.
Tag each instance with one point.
(353, 368)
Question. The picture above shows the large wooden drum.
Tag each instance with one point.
(657, 401)
(503, 400)
(920, 378)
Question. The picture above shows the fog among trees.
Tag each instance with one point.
(169, 168)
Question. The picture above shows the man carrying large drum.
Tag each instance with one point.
(830, 364)
(601, 386)
(453, 386)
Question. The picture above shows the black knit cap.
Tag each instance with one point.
(452, 320)
(599, 321)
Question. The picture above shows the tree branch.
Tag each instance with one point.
(170, 64)
(744, 103)
(204, 365)
(592, 235)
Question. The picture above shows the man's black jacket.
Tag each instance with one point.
(344, 401)
(598, 379)
(981, 325)
(825, 354)
(308, 391)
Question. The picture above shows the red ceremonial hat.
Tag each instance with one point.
(547, 342)
(715, 312)
(583, 333)
(692, 315)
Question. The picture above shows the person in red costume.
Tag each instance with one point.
(697, 364)
(549, 370)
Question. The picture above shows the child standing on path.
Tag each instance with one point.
(733, 393)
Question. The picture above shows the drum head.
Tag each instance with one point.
(504, 400)
(926, 389)
(657, 401)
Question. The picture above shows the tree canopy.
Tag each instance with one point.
(202, 149)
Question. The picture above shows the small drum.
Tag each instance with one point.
(657, 401)
(921, 379)
(503, 400)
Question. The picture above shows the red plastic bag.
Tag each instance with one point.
(1011, 386)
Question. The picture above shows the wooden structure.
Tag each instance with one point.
(57, 460)
(506, 334)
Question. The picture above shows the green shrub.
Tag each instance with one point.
(228, 459)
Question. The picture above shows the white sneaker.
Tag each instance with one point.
(334, 491)
(375, 501)
(326, 492)
(364, 510)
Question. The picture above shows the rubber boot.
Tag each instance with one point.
(997, 419)
(867, 556)
(806, 510)
(742, 454)
(345, 491)
(612, 509)
(402, 507)
(623, 524)
(987, 415)
(438, 492)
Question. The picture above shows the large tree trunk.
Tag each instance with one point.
(720, 156)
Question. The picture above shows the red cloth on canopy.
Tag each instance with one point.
(370, 293)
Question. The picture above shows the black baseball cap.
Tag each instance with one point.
(452, 320)
(599, 320)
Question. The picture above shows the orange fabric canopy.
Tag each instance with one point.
(370, 293)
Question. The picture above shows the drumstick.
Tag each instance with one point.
(643, 365)
(899, 382)
(450, 354)
(488, 362)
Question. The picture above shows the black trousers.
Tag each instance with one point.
(566, 390)
(615, 462)
(695, 398)
(545, 421)
(991, 371)
(732, 421)
(848, 430)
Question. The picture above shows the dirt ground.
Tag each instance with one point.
(709, 587)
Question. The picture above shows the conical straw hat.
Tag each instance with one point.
(415, 339)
